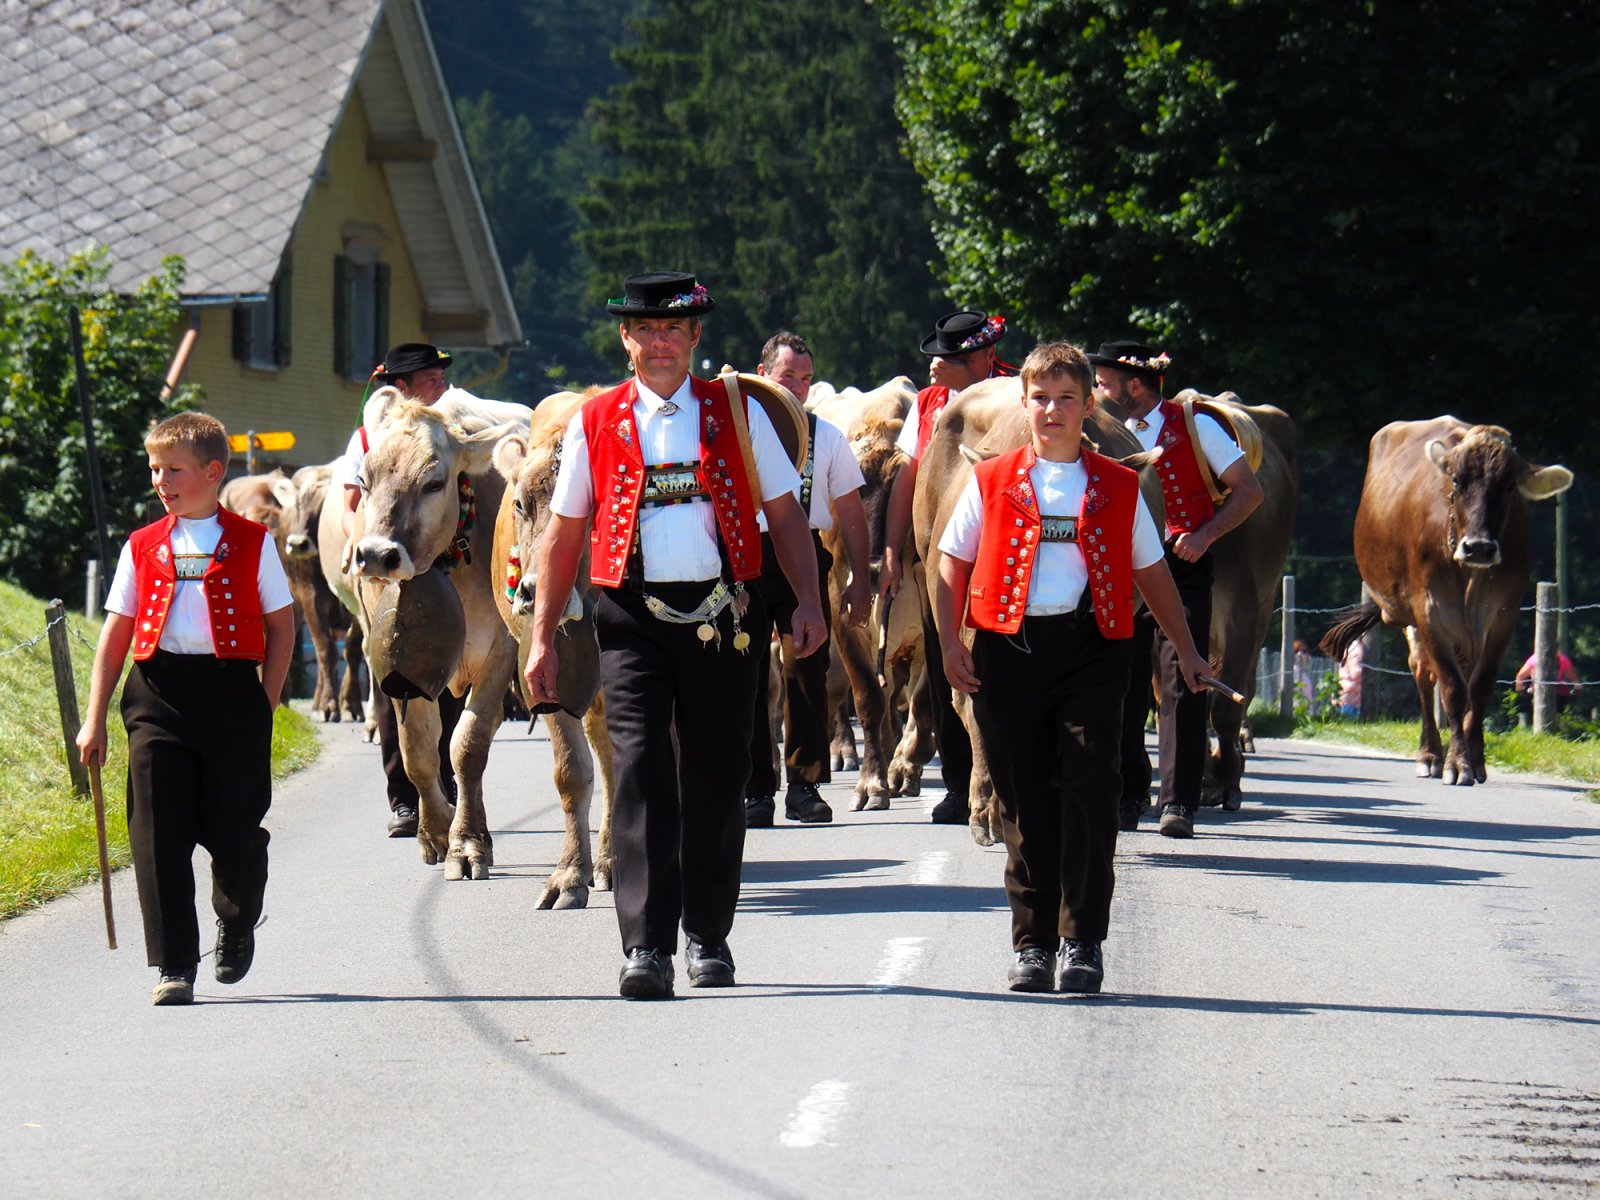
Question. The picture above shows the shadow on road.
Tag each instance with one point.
(870, 898)
(788, 870)
(1321, 870)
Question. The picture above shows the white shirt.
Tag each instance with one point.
(906, 443)
(1221, 451)
(1059, 574)
(678, 541)
(834, 473)
(188, 627)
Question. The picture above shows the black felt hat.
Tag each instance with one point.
(408, 357)
(661, 294)
(1131, 356)
(962, 333)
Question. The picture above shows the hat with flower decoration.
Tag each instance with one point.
(661, 294)
(1132, 356)
(962, 333)
(408, 357)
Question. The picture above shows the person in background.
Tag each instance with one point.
(1568, 684)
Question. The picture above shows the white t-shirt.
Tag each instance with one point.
(678, 541)
(834, 472)
(906, 443)
(188, 627)
(1221, 451)
(1060, 573)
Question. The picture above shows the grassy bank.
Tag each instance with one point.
(47, 837)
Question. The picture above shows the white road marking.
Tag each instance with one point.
(818, 1115)
(900, 957)
(930, 867)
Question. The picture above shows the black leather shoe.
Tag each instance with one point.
(403, 821)
(176, 986)
(1130, 812)
(1034, 971)
(1177, 820)
(236, 950)
(803, 803)
(709, 966)
(1082, 967)
(647, 975)
(758, 812)
(952, 810)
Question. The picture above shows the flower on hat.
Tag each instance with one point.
(690, 299)
(990, 332)
(1157, 363)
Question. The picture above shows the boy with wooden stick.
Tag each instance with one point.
(201, 598)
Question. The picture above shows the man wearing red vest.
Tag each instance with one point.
(672, 475)
(960, 353)
(1129, 373)
(1042, 555)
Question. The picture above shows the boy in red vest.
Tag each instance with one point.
(1042, 556)
(201, 598)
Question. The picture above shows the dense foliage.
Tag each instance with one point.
(756, 144)
(46, 515)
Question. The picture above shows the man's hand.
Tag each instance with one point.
(807, 629)
(855, 604)
(889, 577)
(91, 742)
(1193, 666)
(1192, 546)
(958, 666)
(540, 673)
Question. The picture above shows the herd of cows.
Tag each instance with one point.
(1441, 540)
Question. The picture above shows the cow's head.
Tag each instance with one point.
(529, 464)
(254, 497)
(411, 478)
(301, 497)
(1482, 469)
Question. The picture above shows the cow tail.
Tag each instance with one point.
(1352, 624)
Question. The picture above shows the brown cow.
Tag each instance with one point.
(1441, 540)
(529, 465)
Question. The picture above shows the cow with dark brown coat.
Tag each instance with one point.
(1441, 540)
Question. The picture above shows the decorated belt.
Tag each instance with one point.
(672, 483)
(705, 616)
(1058, 529)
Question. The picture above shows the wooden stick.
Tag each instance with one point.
(1216, 685)
(105, 865)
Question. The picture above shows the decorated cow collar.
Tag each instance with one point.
(460, 548)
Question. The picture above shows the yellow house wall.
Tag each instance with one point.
(307, 397)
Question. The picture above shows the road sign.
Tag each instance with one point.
(239, 442)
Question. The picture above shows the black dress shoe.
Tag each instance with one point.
(952, 810)
(803, 803)
(236, 950)
(403, 821)
(1129, 813)
(1082, 968)
(709, 966)
(758, 812)
(647, 975)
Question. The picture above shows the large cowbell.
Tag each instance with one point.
(418, 631)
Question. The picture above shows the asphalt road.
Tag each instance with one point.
(1362, 984)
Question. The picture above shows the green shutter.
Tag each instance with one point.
(341, 316)
(241, 333)
(282, 313)
(380, 308)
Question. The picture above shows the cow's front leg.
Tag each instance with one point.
(1458, 757)
(916, 739)
(568, 885)
(1430, 749)
(350, 687)
(1226, 766)
(594, 724)
(471, 852)
(419, 751)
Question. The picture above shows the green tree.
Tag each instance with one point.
(46, 515)
(756, 144)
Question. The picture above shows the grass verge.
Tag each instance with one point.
(47, 835)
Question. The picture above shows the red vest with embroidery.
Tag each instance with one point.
(230, 582)
(618, 470)
(930, 402)
(1189, 504)
(997, 594)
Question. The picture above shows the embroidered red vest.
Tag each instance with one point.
(930, 402)
(232, 593)
(619, 477)
(1189, 504)
(997, 593)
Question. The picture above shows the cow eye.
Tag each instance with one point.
(433, 485)
(516, 507)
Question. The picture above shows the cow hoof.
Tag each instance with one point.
(430, 853)
(980, 833)
(848, 762)
(602, 879)
(454, 868)
(1232, 799)
(877, 802)
(1448, 774)
(836, 762)
(574, 898)
(858, 804)
(1212, 797)
(480, 868)
(1480, 774)
(1425, 771)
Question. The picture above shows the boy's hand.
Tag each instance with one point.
(91, 743)
(958, 667)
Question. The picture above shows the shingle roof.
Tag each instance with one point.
(122, 121)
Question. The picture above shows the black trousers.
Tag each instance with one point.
(401, 789)
(1182, 739)
(199, 774)
(1049, 710)
(955, 746)
(679, 712)
(805, 682)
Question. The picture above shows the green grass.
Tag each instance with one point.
(47, 835)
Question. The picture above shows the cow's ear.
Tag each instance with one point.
(284, 490)
(1540, 483)
(978, 455)
(478, 448)
(509, 453)
(379, 405)
(1140, 460)
(1438, 455)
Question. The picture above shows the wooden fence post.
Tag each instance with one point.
(55, 614)
(1546, 673)
(1286, 661)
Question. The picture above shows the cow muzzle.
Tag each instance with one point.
(383, 558)
(1478, 552)
(298, 545)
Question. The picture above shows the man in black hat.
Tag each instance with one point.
(672, 471)
(961, 351)
(417, 370)
(1129, 375)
